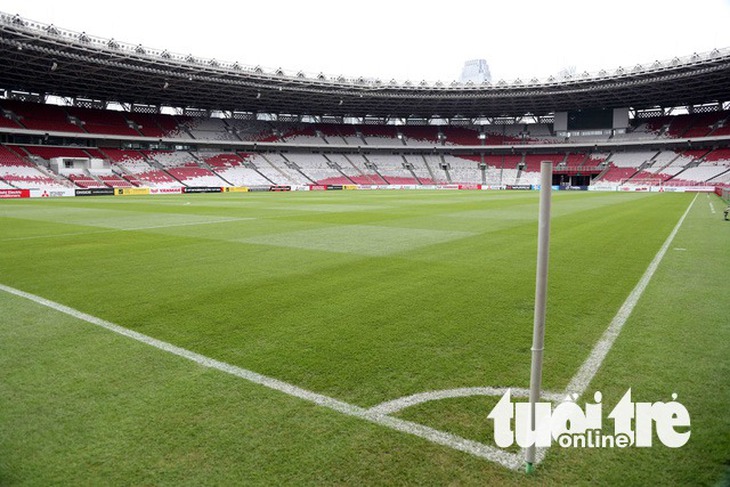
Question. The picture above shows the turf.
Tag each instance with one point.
(362, 296)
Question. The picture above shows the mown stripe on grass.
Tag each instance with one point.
(443, 438)
(132, 229)
(580, 381)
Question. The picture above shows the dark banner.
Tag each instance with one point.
(577, 188)
(95, 192)
(519, 186)
(280, 188)
(203, 189)
(336, 187)
(258, 188)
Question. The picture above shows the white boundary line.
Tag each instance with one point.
(506, 459)
(378, 414)
(712, 208)
(580, 381)
(396, 405)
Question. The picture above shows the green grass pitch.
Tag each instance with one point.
(361, 296)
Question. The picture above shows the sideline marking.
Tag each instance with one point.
(494, 454)
(132, 229)
(590, 367)
(513, 461)
(712, 208)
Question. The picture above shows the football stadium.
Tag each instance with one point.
(220, 274)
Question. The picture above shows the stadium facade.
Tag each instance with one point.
(663, 124)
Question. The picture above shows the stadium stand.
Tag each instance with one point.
(18, 172)
(211, 129)
(36, 116)
(222, 168)
(103, 121)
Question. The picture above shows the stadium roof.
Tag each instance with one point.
(44, 59)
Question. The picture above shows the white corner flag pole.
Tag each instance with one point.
(538, 331)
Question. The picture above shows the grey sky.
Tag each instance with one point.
(404, 39)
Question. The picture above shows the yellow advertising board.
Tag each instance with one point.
(131, 191)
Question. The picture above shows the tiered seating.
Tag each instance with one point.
(703, 123)
(108, 122)
(279, 175)
(20, 173)
(9, 157)
(631, 159)
(231, 168)
(656, 124)
(196, 176)
(617, 174)
(158, 179)
(644, 130)
(36, 116)
(170, 159)
(575, 160)
(502, 169)
(349, 170)
(158, 125)
(281, 172)
(173, 126)
(660, 173)
(723, 130)
(85, 181)
(315, 167)
(250, 129)
(511, 161)
(420, 136)
(133, 180)
(533, 161)
(363, 175)
(420, 169)
(7, 122)
(461, 136)
(624, 165)
(211, 129)
(464, 170)
(595, 159)
(391, 168)
(679, 124)
(147, 124)
(348, 135)
(221, 160)
(306, 135)
(501, 134)
(684, 126)
(243, 176)
(128, 160)
(335, 180)
(434, 163)
(699, 174)
(115, 181)
(718, 156)
(380, 135)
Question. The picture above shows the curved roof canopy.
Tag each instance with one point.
(44, 59)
